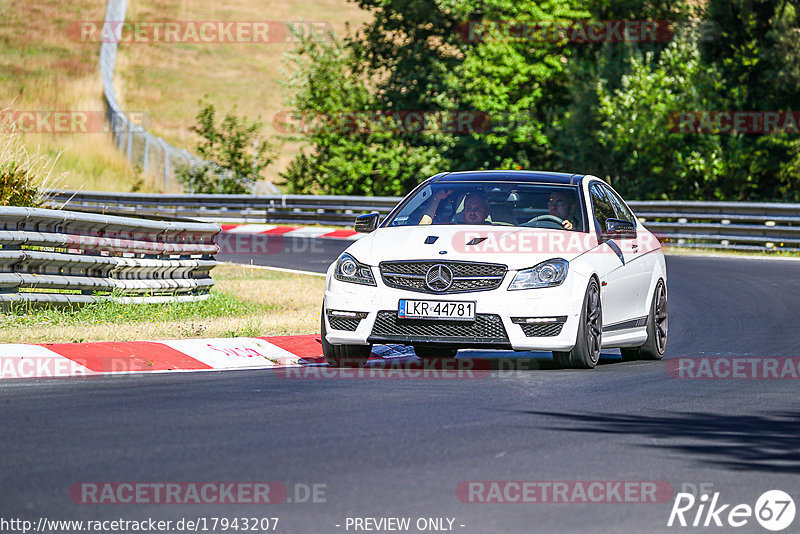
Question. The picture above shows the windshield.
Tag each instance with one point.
(501, 204)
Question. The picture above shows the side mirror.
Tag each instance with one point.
(617, 228)
(367, 223)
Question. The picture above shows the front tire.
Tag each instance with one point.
(657, 326)
(586, 352)
(342, 355)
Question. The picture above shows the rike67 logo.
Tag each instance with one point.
(774, 510)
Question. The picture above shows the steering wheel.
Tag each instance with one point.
(549, 218)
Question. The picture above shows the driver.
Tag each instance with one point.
(476, 209)
(562, 205)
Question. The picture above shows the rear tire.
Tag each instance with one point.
(342, 355)
(586, 352)
(657, 327)
(434, 352)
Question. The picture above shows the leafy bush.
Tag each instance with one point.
(234, 157)
(644, 158)
(345, 158)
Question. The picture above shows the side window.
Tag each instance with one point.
(619, 206)
(601, 206)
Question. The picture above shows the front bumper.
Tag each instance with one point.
(501, 317)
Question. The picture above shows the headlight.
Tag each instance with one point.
(349, 270)
(547, 274)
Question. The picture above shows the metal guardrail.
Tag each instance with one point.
(756, 226)
(44, 252)
(732, 225)
(272, 209)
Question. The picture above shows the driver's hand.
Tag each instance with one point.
(567, 224)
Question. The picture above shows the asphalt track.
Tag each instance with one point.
(401, 447)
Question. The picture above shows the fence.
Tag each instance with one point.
(151, 153)
(58, 256)
(733, 225)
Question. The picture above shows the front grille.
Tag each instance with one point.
(542, 330)
(345, 320)
(467, 276)
(538, 327)
(343, 323)
(487, 329)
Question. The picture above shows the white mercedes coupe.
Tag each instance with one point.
(515, 260)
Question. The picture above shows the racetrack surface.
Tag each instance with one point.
(401, 447)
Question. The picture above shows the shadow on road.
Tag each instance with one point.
(768, 442)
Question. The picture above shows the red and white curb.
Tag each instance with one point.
(58, 360)
(308, 232)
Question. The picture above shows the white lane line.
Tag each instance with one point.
(268, 268)
(308, 232)
(251, 228)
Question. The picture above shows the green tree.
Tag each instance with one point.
(234, 159)
(645, 157)
(352, 149)
(758, 55)
(601, 108)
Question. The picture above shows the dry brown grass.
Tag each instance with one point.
(42, 68)
(292, 305)
(168, 80)
(297, 298)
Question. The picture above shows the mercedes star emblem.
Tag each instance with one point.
(439, 277)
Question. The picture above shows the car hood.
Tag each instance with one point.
(518, 248)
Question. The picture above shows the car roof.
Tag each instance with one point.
(540, 177)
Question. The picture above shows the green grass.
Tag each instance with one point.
(218, 304)
(245, 302)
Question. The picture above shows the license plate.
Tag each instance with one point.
(436, 309)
